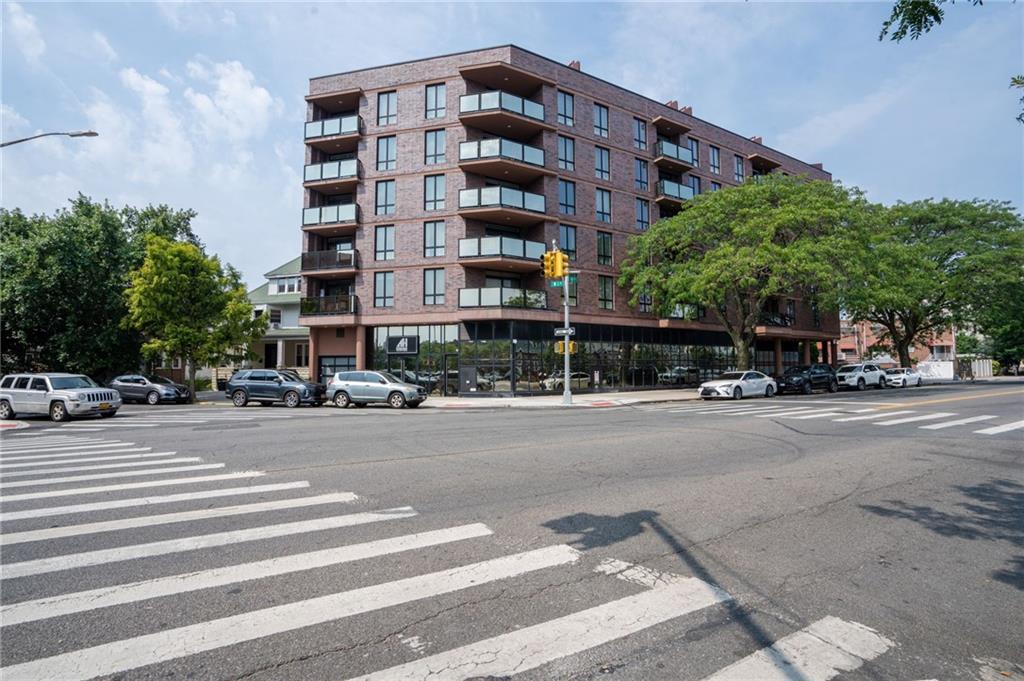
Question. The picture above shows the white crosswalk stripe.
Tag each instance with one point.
(49, 461)
(914, 419)
(873, 416)
(787, 412)
(79, 491)
(96, 467)
(64, 447)
(1006, 428)
(70, 455)
(813, 415)
(106, 476)
(957, 422)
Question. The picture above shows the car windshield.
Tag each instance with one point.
(731, 376)
(798, 370)
(848, 369)
(290, 375)
(390, 378)
(159, 379)
(71, 382)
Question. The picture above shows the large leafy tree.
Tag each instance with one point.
(734, 250)
(190, 305)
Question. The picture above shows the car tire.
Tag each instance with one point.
(860, 384)
(903, 383)
(881, 384)
(833, 386)
(769, 391)
(152, 397)
(59, 412)
(107, 414)
(808, 388)
(6, 413)
(341, 400)
(292, 399)
(396, 400)
(737, 394)
(239, 398)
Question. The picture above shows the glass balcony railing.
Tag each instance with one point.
(329, 260)
(343, 304)
(496, 99)
(326, 215)
(504, 197)
(674, 151)
(503, 297)
(501, 246)
(328, 127)
(674, 190)
(332, 170)
(501, 148)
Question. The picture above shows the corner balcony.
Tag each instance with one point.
(330, 264)
(503, 297)
(328, 305)
(670, 194)
(502, 113)
(333, 177)
(501, 253)
(331, 220)
(333, 135)
(673, 157)
(502, 205)
(503, 159)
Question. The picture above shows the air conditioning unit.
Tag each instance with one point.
(275, 325)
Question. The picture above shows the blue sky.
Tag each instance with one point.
(201, 105)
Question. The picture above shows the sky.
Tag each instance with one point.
(200, 105)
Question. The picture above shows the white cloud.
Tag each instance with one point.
(103, 46)
(237, 109)
(11, 121)
(228, 18)
(165, 146)
(24, 32)
(825, 130)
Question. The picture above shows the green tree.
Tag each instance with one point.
(734, 250)
(189, 305)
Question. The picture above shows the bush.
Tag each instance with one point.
(203, 384)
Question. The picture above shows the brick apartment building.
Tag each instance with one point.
(857, 343)
(433, 186)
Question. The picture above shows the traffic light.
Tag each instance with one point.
(561, 266)
(548, 263)
(560, 347)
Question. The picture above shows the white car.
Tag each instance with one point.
(736, 385)
(59, 395)
(860, 376)
(902, 378)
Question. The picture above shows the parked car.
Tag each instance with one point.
(426, 381)
(267, 386)
(556, 381)
(807, 378)
(860, 376)
(902, 378)
(59, 395)
(736, 385)
(149, 389)
(362, 387)
(679, 376)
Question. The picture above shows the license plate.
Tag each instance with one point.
(104, 405)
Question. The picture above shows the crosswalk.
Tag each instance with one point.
(196, 416)
(69, 527)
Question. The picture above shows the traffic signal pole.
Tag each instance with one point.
(567, 389)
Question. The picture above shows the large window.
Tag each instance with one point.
(384, 242)
(433, 287)
(645, 302)
(387, 108)
(606, 293)
(433, 145)
(695, 150)
(433, 192)
(387, 153)
(600, 120)
(385, 198)
(433, 238)
(643, 214)
(640, 174)
(602, 163)
(567, 197)
(738, 168)
(603, 205)
(604, 248)
(715, 186)
(436, 101)
(639, 133)
(566, 108)
(695, 184)
(285, 285)
(715, 160)
(573, 290)
(566, 153)
(384, 289)
(567, 240)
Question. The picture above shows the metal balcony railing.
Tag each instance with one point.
(674, 190)
(674, 151)
(326, 215)
(503, 246)
(332, 170)
(342, 304)
(329, 260)
(504, 197)
(328, 127)
(501, 148)
(777, 319)
(503, 297)
(499, 100)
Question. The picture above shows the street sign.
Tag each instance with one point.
(565, 331)
(556, 283)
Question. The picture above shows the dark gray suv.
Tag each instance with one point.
(267, 386)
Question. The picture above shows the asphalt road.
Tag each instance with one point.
(874, 535)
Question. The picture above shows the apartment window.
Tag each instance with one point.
(695, 149)
(715, 186)
(567, 197)
(387, 108)
(433, 192)
(640, 174)
(604, 248)
(791, 308)
(433, 238)
(602, 163)
(695, 184)
(639, 133)
(433, 287)
(643, 214)
(566, 108)
(715, 160)
(433, 145)
(384, 242)
(573, 292)
(738, 165)
(387, 153)
(436, 101)
(566, 153)
(384, 289)
(645, 302)
(600, 120)
(385, 198)
(605, 293)
(567, 240)
(603, 205)
(287, 284)
(275, 316)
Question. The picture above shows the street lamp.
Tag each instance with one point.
(73, 133)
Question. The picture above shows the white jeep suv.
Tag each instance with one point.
(59, 395)
(860, 376)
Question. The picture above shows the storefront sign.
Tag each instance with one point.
(403, 345)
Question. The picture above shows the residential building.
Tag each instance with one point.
(858, 341)
(443, 180)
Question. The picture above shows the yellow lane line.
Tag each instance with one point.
(976, 396)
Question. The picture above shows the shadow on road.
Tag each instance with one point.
(994, 511)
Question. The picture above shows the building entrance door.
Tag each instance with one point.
(270, 355)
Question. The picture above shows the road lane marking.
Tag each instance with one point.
(817, 415)
(71, 447)
(172, 644)
(98, 467)
(636, 574)
(913, 419)
(105, 476)
(874, 416)
(45, 459)
(977, 396)
(737, 409)
(995, 430)
(818, 652)
(161, 548)
(795, 410)
(134, 592)
(958, 422)
(6, 498)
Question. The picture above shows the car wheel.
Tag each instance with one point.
(6, 413)
(769, 391)
(58, 412)
(341, 400)
(239, 398)
(108, 414)
(881, 384)
(903, 383)
(808, 388)
(833, 386)
(291, 399)
(396, 400)
(737, 393)
(153, 397)
(860, 384)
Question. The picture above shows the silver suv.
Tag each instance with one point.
(59, 395)
(362, 387)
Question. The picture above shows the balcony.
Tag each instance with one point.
(331, 220)
(333, 177)
(332, 135)
(776, 319)
(673, 157)
(328, 305)
(670, 194)
(503, 297)
(502, 113)
(504, 76)
(501, 253)
(761, 164)
(503, 159)
(330, 264)
(502, 205)
(668, 126)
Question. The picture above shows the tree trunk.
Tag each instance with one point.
(903, 349)
(742, 347)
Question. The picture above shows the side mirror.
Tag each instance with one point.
(382, 381)
(278, 380)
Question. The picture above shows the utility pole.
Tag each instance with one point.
(567, 390)
(555, 264)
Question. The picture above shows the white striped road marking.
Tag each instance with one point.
(40, 440)
(912, 419)
(48, 461)
(886, 414)
(43, 458)
(169, 518)
(95, 444)
(531, 647)
(97, 467)
(957, 422)
(134, 592)
(106, 476)
(50, 511)
(171, 644)
(737, 408)
(995, 430)
(636, 574)
(103, 426)
(796, 410)
(753, 410)
(132, 485)
(818, 652)
(816, 415)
